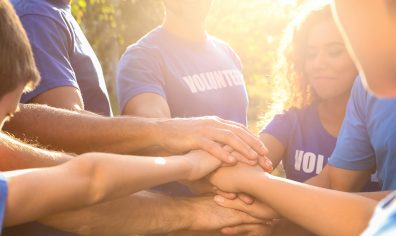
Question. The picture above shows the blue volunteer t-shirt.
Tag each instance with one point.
(196, 79)
(3, 199)
(62, 53)
(308, 145)
(367, 139)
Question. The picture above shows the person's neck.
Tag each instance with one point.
(192, 33)
(332, 113)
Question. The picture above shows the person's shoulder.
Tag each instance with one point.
(359, 94)
(46, 8)
(219, 42)
(149, 42)
(295, 112)
(300, 115)
(289, 115)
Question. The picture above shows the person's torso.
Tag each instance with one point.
(381, 127)
(309, 145)
(84, 63)
(200, 79)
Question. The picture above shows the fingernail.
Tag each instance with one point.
(219, 199)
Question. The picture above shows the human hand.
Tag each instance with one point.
(249, 230)
(231, 179)
(262, 161)
(200, 164)
(256, 209)
(206, 215)
(253, 208)
(200, 187)
(210, 134)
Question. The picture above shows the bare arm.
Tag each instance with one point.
(154, 105)
(347, 181)
(340, 213)
(79, 133)
(62, 97)
(18, 155)
(341, 179)
(148, 213)
(93, 178)
(147, 105)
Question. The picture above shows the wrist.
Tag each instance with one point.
(251, 181)
(183, 167)
(188, 212)
(151, 129)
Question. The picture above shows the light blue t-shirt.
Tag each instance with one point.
(367, 139)
(196, 79)
(62, 53)
(383, 222)
(3, 199)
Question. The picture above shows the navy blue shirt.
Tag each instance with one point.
(62, 53)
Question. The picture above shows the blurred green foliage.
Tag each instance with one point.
(252, 27)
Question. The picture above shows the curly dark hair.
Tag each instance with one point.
(292, 88)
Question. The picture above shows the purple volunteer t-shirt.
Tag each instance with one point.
(308, 145)
(196, 79)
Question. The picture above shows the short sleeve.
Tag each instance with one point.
(280, 127)
(353, 150)
(235, 58)
(383, 221)
(50, 43)
(139, 71)
(3, 198)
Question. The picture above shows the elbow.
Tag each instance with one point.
(88, 168)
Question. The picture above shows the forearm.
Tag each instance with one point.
(113, 176)
(140, 213)
(86, 180)
(79, 133)
(153, 151)
(340, 213)
(321, 180)
(18, 155)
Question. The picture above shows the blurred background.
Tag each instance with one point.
(252, 27)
